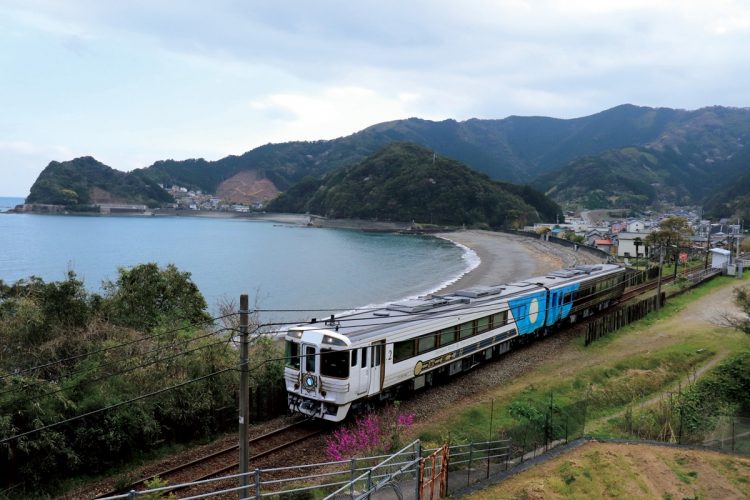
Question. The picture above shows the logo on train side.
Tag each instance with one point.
(529, 311)
(432, 363)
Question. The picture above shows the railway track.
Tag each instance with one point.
(226, 460)
(637, 290)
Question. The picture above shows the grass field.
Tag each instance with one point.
(605, 470)
(632, 365)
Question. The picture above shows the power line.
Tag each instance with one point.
(124, 344)
(38, 383)
(182, 384)
(116, 405)
(135, 399)
(423, 316)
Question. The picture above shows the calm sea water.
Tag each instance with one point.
(6, 203)
(285, 267)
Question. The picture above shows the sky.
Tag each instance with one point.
(130, 83)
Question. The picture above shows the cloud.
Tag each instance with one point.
(332, 112)
(133, 82)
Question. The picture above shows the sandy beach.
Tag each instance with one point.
(507, 257)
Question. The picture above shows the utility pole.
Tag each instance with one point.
(244, 396)
(739, 238)
(658, 279)
(708, 246)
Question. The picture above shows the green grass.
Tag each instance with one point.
(683, 473)
(611, 385)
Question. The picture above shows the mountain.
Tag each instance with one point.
(690, 159)
(405, 181)
(85, 181)
(686, 154)
(515, 149)
(732, 197)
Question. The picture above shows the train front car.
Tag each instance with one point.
(317, 373)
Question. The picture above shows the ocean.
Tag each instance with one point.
(281, 267)
(9, 202)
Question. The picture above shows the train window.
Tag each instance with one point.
(375, 356)
(334, 363)
(364, 357)
(499, 319)
(426, 343)
(403, 350)
(354, 357)
(483, 324)
(292, 355)
(310, 359)
(466, 330)
(447, 335)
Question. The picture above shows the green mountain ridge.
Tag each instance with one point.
(85, 181)
(405, 182)
(694, 152)
(514, 149)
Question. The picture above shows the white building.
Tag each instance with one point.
(632, 244)
(637, 226)
(720, 258)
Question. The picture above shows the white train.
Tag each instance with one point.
(339, 364)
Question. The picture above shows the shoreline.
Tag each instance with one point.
(504, 258)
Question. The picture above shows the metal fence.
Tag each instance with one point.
(469, 463)
(730, 434)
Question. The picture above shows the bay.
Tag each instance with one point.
(281, 267)
(9, 202)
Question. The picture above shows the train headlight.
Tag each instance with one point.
(309, 381)
(327, 339)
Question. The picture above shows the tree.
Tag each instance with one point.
(741, 322)
(146, 296)
(672, 232)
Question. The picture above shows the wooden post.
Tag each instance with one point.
(658, 280)
(244, 396)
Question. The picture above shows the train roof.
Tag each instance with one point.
(362, 325)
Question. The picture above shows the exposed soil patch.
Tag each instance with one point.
(247, 187)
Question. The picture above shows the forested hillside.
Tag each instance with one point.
(406, 182)
(84, 181)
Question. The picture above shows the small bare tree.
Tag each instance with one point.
(739, 322)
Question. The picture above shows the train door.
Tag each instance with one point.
(377, 366)
(309, 369)
(309, 359)
(364, 372)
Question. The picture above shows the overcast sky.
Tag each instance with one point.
(132, 82)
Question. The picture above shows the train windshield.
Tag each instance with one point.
(334, 363)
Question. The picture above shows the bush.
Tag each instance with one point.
(370, 434)
(146, 296)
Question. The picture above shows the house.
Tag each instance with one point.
(636, 226)
(603, 245)
(594, 234)
(632, 245)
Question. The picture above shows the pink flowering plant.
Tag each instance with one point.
(369, 434)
